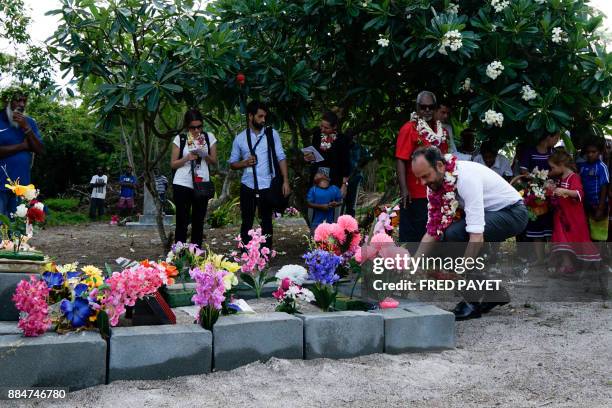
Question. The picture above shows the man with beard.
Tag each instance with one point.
(251, 153)
(421, 130)
(493, 211)
(19, 138)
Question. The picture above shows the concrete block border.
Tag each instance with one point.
(159, 352)
(84, 359)
(243, 339)
(73, 360)
(342, 334)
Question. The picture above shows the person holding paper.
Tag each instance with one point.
(335, 149)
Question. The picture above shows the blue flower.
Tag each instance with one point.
(53, 279)
(322, 266)
(71, 275)
(76, 312)
(79, 289)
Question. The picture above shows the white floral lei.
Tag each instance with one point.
(442, 204)
(423, 128)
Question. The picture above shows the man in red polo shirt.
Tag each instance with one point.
(421, 130)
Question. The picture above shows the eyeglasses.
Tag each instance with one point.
(427, 107)
(195, 127)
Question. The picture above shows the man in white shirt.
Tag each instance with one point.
(98, 194)
(494, 211)
(467, 151)
(489, 157)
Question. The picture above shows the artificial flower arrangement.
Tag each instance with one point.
(341, 238)
(387, 218)
(184, 257)
(322, 266)
(254, 259)
(292, 212)
(290, 291)
(19, 228)
(534, 188)
(69, 298)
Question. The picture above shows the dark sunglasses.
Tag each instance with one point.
(427, 107)
(195, 127)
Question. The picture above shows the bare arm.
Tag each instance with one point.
(401, 178)
(212, 155)
(285, 173)
(175, 162)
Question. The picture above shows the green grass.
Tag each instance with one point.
(62, 204)
(56, 218)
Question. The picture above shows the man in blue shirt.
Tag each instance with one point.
(19, 139)
(126, 197)
(256, 175)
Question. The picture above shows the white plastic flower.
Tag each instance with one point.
(31, 194)
(296, 273)
(453, 8)
(528, 94)
(499, 5)
(558, 35)
(21, 211)
(495, 69)
(493, 118)
(306, 295)
(467, 84)
(382, 41)
(39, 206)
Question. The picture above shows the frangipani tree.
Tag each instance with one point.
(148, 62)
(516, 67)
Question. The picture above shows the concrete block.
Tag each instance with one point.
(417, 328)
(342, 334)
(73, 360)
(9, 328)
(8, 284)
(159, 352)
(242, 339)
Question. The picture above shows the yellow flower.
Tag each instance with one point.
(94, 276)
(50, 267)
(69, 267)
(18, 189)
(230, 280)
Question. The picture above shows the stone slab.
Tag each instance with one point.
(73, 360)
(8, 284)
(149, 221)
(417, 328)
(9, 328)
(342, 334)
(243, 339)
(159, 352)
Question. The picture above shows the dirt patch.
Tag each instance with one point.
(100, 243)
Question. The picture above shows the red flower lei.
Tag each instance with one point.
(442, 204)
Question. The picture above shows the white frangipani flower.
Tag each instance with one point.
(453, 8)
(558, 35)
(382, 41)
(495, 69)
(493, 118)
(528, 93)
(499, 5)
(453, 40)
(467, 84)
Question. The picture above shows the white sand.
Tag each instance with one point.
(550, 355)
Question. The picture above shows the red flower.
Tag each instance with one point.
(35, 215)
(240, 78)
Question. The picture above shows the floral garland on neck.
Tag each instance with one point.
(442, 204)
(434, 138)
(327, 140)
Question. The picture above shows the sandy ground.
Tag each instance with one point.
(546, 355)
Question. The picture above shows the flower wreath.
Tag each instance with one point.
(442, 204)
(423, 128)
(327, 140)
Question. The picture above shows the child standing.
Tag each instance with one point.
(596, 181)
(570, 229)
(323, 199)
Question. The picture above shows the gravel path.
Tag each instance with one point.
(546, 355)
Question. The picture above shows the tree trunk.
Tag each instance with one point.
(224, 196)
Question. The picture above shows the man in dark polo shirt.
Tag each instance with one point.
(421, 130)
